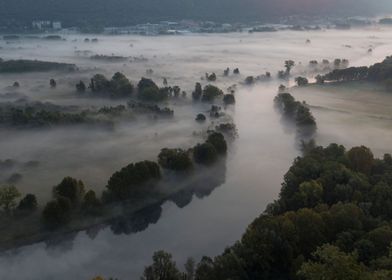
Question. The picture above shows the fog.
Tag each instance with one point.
(256, 162)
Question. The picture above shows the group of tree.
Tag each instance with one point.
(138, 180)
(69, 198)
(23, 66)
(149, 91)
(285, 74)
(208, 94)
(297, 112)
(117, 87)
(9, 195)
(332, 221)
(377, 73)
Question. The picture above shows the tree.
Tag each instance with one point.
(91, 204)
(176, 91)
(120, 86)
(80, 87)
(52, 83)
(217, 140)
(210, 92)
(130, 181)
(201, 118)
(289, 64)
(361, 159)
(189, 269)
(70, 188)
(229, 99)
(320, 79)
(162, 268)
(301, 81)
(332, 264)
(236, 71)
(28, 203)
(174, 159)
(211, 77)
(99, 83)
(197, 93)
(57, 213)
(311, 193)
(205, 153)
(8, 195)
(250, 80)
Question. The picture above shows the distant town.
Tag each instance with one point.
(190, 26)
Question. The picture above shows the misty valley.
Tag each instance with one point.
(236, 155)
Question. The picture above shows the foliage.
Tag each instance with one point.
(80, 87)
(332, 221)
(197, 93)
(217, 140)
(70, 188)
(301, 81)
(91, 205)
(57, 213)
(201, 118)
(174, 159)
(163, 268)
(210, 92)
(205, 153)
(119, 86)
(8, 195)
(28, 203)
(149, 91)
(130, 181)
(378, 73)
(296, 111)
(229, 99)
(22, 66)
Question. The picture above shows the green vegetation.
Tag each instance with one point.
(205, 153)
(118, 87)
(57, 213)
(229, 99)
(149, 91)
(23, 65)
(8, 195)
(175, 159)
(71, 189)
(301, 81)
(332, 221)
(298, 113)
(377, 73)
(201, 118)
(210, 92)
(131, 181)
(217, 140)
(198, 92)
(28, 203)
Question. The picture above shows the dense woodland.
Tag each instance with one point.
(332, 221)
(380, 73)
